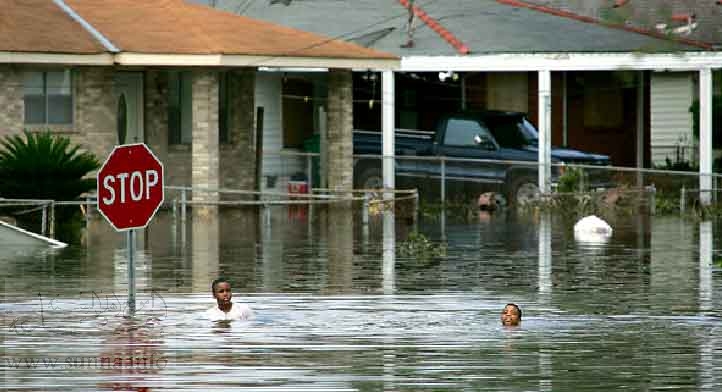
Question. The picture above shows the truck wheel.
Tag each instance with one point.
(370, 178)
(522, 191)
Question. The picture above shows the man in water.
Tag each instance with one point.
(511, 315)
(226, 310)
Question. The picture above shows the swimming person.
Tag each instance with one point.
(511, 315)
(225, 310)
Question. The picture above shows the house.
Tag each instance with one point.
(180, 77)
(596, 86)
(671, 92)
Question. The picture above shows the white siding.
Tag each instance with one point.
(268, 95)
(672, 94)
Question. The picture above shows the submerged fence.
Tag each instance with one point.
(436, 180)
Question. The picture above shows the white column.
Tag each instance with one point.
(388, 124)
(705, 134)
(545, 117)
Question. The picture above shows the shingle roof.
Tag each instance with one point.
(485, 26)
(648, 13)
(41, 26)
(160, 27)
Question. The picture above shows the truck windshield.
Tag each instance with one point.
(513, 131)
(529, 132)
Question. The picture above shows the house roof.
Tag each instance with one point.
(173, 26)
(167, 27)
(484, 26)
(41, 26)
(706, 24)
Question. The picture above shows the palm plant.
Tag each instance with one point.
(44, 166)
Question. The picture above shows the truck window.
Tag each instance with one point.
(507, 133)
(461, 132)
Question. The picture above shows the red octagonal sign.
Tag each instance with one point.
(130, 186)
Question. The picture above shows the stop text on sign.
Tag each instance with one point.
(130, 186)
(136, 184)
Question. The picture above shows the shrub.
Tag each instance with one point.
(44, 166)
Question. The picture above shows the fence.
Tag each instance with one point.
(436, 174)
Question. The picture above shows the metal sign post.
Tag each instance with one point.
(130, 191)
(130, 239)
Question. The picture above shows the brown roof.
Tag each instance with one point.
(176, 27)
(41, 26)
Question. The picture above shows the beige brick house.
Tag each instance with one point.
(177, 76)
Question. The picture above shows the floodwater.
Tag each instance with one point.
(338, 308)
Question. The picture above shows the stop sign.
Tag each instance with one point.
(130, 186)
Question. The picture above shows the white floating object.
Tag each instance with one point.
(592, 228)
(13, 236)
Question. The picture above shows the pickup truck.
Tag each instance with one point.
(489, 135)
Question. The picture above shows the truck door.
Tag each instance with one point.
(469, 138)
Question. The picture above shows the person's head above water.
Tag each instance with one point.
(511, 315)
(221, 290)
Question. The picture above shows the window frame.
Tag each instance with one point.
(71, 88)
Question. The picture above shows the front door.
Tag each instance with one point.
(128, 88)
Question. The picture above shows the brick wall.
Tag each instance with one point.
(95, 110)
(11, 100)
(205, 158)
(340, 130)
(238, 157)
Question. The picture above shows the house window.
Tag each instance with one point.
(603, 101)
(297, 112)
(48, 97)
(224, 112)
(180, 108)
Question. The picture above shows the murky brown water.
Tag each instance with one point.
(339, 309)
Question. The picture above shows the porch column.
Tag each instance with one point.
(340, 130)
(389, 122)
(545, 139)
(205, 151)
(705, 134)
(238, 164)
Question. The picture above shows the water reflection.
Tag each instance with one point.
(338, 231)
(340, 310)
(389, 252)
(205, 247)
(545, 256)
(705, 266)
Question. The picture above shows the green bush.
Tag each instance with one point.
(716, 120)
(44, 166)
(571, 181)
